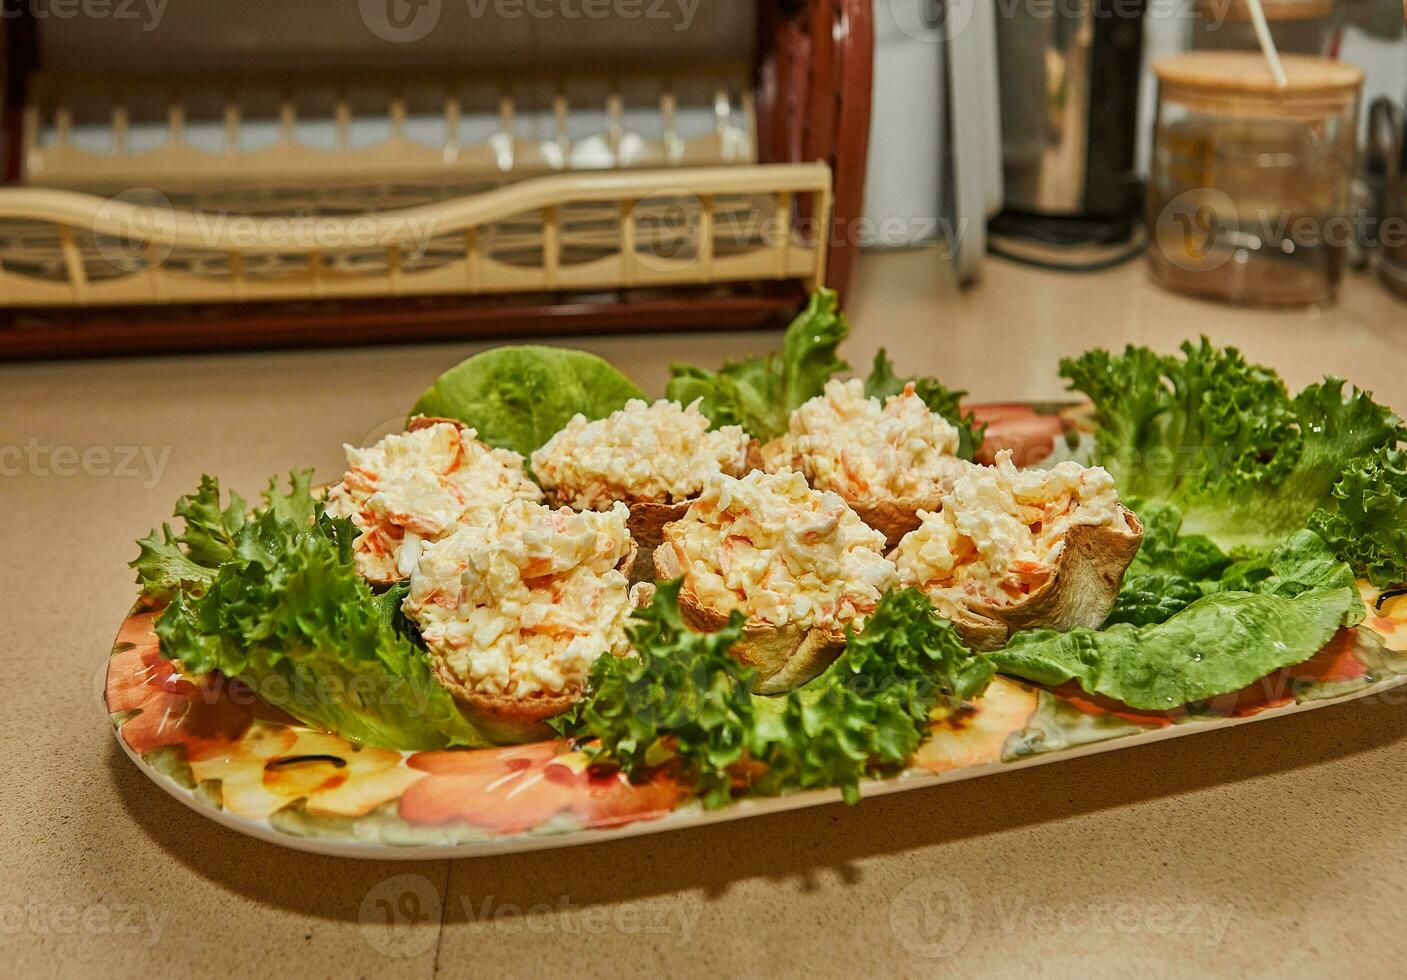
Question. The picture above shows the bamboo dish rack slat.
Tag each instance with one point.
(578, 231)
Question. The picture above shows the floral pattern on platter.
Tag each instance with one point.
(978, 736)
(1387, 615)
(517, 788)
(213, 741)
(162, 707)
(275, 765)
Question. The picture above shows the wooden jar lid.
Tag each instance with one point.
(1239, 83)
(1275, 10)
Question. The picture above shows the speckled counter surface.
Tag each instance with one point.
(1274, 849)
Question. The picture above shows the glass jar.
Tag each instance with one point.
(1250, 184)
(1299, 26)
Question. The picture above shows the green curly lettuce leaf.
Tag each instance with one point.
(1368, 525)
(519, 397)
(759, 393)
(170, 562)
(871, 708)
(1337, 429)
(164, 568)
(297, 504)
(947, 402)
(682, 697)
(1223, 441)
(684, 701)
(285, 611)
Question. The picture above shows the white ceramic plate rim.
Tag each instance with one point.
(695, 817)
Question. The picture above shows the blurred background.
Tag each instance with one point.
(188, 174)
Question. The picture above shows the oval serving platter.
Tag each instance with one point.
(209, 742)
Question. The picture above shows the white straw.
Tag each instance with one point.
(1267, 43)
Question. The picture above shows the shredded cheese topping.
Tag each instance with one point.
(660, 452)
(419, 486)
(1001, 529)
(525, 605)
(771, 546)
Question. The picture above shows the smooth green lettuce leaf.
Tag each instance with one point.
(1166, 549)
(1171, 570)
(519, 397)
(759, 393)
(1218, 644)
(1303, 563)
(1262, 614)
(683, 700)
(1368, 526)
(1153, 596)
(947, 402)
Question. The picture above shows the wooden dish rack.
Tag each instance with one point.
(185, 211)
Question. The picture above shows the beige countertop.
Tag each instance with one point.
(1269, 849)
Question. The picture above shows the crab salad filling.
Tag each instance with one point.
(660, 452)
(867, 450)
(416, 487)
(781, 552)
(1001, 529)
(525, 605)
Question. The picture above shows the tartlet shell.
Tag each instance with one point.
(647, 522)
(418, 422)
(505, 719)
(784, 656)
(895, 518)
(1081, 589)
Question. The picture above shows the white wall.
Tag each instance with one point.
(1376, 42)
